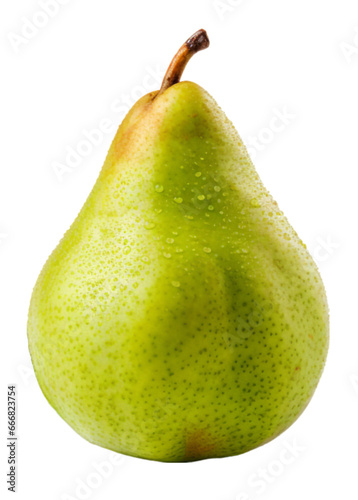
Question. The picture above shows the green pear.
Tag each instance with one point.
(180, 317)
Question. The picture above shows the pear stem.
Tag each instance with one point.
(198, 41)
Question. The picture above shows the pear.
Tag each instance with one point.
(181, 317)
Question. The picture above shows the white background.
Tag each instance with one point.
(266, 57)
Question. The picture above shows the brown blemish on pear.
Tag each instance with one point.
(198, 446)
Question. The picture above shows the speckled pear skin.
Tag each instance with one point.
(180, 317)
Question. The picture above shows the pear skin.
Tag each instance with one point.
(180, 317)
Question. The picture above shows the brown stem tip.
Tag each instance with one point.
(198, 41)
